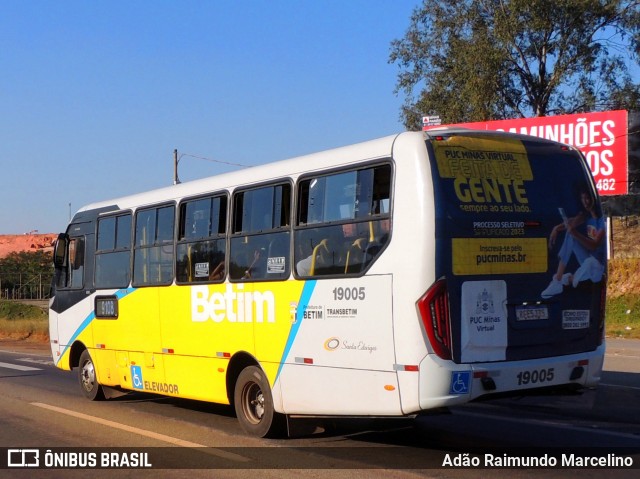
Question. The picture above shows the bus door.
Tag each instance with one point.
(139, 347)
(71, 306)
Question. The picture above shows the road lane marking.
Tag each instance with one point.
(44, 362)
(19, 367)
(550, 422)
(624, 356)
(620, 386)
(143, 432)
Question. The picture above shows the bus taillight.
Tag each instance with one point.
(434, 310)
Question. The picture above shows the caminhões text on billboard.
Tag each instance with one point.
(600, 136)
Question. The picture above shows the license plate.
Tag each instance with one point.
(575, 319)
(531, 313)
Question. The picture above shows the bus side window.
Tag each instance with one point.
(76, 263)
(342, 221)
(260, 240)
(201, 249)
(153, 255)
(113, 252)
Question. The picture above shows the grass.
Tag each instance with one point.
(623, 316)
(22, 321)
(12, 310)
(623, 290)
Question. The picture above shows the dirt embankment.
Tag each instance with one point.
(624, 266)
(30, 242)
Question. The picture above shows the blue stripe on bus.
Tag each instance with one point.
(124, 292)
(305, 297)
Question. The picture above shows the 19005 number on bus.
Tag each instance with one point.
(349, 294)
(535, 376)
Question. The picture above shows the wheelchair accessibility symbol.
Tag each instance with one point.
(460, 382)
(136, 377)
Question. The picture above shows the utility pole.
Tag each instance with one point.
(175, 167)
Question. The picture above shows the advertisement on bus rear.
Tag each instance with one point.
(520, 237)
(601, 136)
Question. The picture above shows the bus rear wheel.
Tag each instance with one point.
(89, 385)
(253, 403)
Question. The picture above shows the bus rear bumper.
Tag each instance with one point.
(443, 383)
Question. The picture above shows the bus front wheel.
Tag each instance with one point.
(89, 385)
(254, 404)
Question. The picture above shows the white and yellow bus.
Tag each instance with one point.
(413, 272)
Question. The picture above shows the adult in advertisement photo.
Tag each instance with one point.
(584, 238)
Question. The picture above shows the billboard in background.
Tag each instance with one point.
(600, 136)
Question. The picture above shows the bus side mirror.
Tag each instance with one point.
(60, 250)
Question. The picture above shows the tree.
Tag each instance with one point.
(25, 274)
(475, 60)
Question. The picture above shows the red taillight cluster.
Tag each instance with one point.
(434, 311)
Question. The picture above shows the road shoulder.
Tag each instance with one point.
(40, 348)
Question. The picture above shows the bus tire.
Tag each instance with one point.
(253, 403)
(89, 385)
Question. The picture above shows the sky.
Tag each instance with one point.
(95, 96)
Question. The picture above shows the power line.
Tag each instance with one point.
(176, 160)
(212, 160)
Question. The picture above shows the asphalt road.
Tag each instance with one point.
(41, 408)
